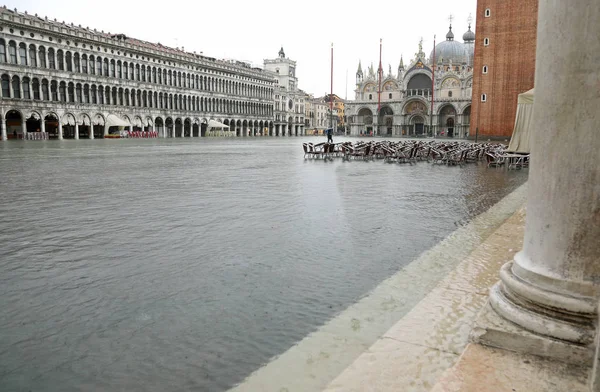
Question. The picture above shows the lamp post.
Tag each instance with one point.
(432, 89)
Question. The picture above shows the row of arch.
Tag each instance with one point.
(422, 106)
(85, 93)
(17, 124)
(449, 121)
(57, 59)
(417, 82)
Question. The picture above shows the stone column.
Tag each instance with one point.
(552, 286)
(91, 131)
(24, 128)
(106, 129)
(3, 129)
(130, 130)
(60, 131)
(43, 125)
(76, 131)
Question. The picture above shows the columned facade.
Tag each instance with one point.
(552, 287)
(63, 81)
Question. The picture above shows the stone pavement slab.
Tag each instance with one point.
(416, 351)
(487, 369)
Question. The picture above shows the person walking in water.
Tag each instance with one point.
(329, 135)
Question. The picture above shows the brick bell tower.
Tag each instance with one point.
(504, 64)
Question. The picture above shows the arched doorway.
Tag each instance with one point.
(196, 128)
(450, 127)
(33, 123)
(160, 126)
(386, 120)
(187, 128)
(178, 128)
(365, 122)
(85, 126)
(447, 118)
(97, 126)
(14, 125)
(68, 126)
(417, 125)
(51, 125)
(203, 128)
(169, 128)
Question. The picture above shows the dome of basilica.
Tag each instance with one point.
(451, 50)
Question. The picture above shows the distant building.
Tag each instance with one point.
(315, 115)
(338, 118)
(289, 99)
(406, 96)
(504, 63)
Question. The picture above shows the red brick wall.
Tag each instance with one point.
(510, 58)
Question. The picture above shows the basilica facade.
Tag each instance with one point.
(401, 104)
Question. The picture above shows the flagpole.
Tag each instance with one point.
(380, 71)
(331, 93)
(432, 89)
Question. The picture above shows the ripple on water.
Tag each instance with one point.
(187, 264)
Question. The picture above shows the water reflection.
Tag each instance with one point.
(178, 264)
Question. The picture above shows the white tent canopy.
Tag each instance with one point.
(114, 121)
(216, 124)
(519, 142)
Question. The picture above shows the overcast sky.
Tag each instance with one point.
(255, 30)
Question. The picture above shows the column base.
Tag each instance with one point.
(491, 329)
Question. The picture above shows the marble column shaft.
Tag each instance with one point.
(553, 285)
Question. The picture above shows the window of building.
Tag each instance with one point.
(488, 12)
(12, 52)
(370, 96)
(78, 93)
(71, 91)
(76, 62)
(483, 97)
(23, 54)
(112, 68)
(105, 67)
(32, 59)
(93, 94)
(42, 56)
(51, 59)
(449, 94)
(2, 51)
(35, 84)
(54, 90)
(5, 87)
(390, 96)
(486, 41)
(26, 91)
(68, 61)
(16, 82)
(45, 92)
(485, 69)
(62, 90)
(60, 59)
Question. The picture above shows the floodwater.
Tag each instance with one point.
(175, 265)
